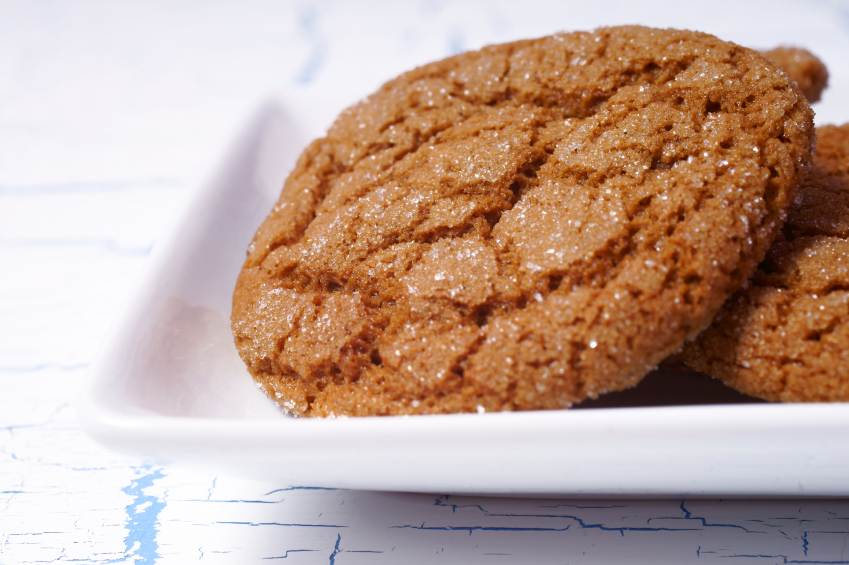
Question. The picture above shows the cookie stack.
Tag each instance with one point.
(538, 223)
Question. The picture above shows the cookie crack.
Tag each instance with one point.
(816, 335)
(507, 97)
(321, 192)
(459, 365)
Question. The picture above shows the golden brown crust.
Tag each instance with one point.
(804, 67)
(520, 227)
(786, 336)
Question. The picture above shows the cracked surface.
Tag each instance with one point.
(804, 67)
(786, 336)
(521, 227)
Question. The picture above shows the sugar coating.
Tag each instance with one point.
(786, 336)
(520, 227)
(804, 67)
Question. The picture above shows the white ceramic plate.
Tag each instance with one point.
(169, 386)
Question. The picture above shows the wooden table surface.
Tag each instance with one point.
(110, 113)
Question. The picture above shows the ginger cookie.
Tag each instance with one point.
(785, 337)
(520, 227)
(804, 67)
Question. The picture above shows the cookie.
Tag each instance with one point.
(520, 227)
(785, 337)
(803, 67)
(811, 76)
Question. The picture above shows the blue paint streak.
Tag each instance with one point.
(142, 525)
(281, 524)
(300, 488)
(688, 516)
(307, 21)
(454, 507)
(784, 559)
(209, 492)
(335, 549)
(797, 520)
(844, 562)
(288, 551)
(754, 555)
(628, 528)
(583, 507)
(805, 543)
(580, 522)
(11, 429)
(470, 529)
(312, 65)
(232, 501)
(456, 43)
(247, 501)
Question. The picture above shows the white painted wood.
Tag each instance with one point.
(109, 114)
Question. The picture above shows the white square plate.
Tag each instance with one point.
(169, 386)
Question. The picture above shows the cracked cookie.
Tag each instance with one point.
(520, 227)
(785, 337)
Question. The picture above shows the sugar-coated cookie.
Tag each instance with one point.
(520, 227)
(786, 335)
(804, 67)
